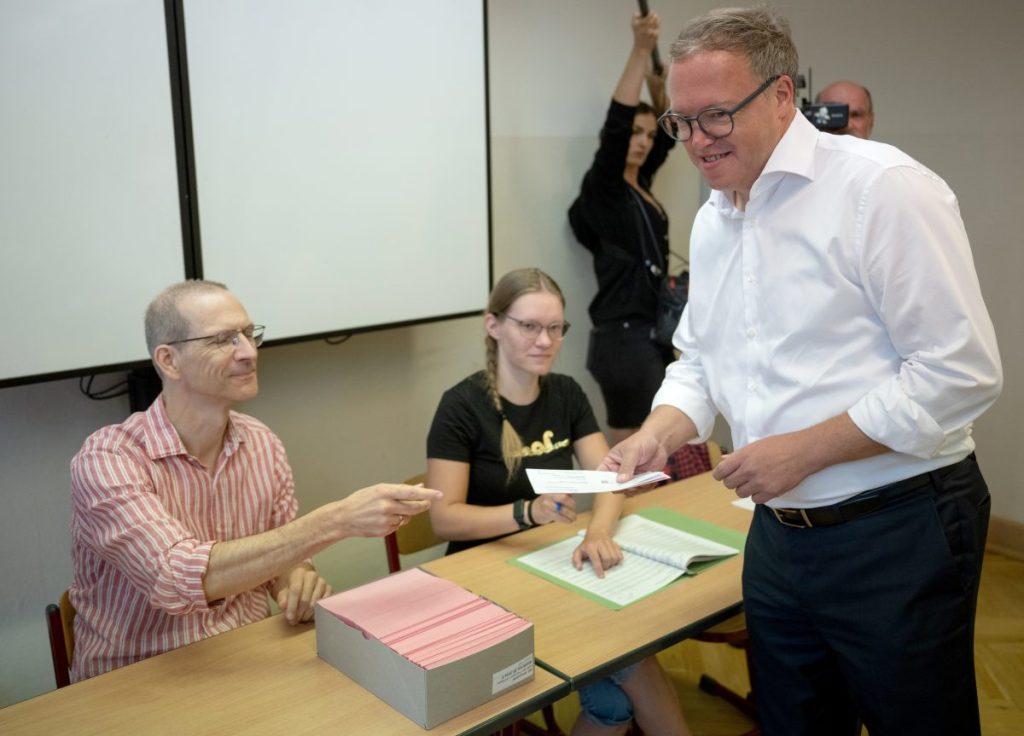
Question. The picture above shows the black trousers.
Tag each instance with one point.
(872, 619)
(629, 368)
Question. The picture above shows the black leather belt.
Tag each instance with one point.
(862, 503)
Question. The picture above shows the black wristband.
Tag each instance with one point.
(529, 512)
(517, 514)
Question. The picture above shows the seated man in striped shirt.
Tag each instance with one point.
(184, 516)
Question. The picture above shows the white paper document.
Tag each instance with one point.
(745, 503)
(586, 481)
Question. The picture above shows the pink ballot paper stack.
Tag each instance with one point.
(424, 645)
(428, 620)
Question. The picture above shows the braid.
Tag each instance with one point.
(511, 442)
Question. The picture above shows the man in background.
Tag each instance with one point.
(858, 99)
(184, 516)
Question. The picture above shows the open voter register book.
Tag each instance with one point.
(424, 645)
(659, 547)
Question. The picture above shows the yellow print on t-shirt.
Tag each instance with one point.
(543, 446)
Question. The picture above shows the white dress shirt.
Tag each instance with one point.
(847, 285)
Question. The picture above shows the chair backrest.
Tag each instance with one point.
(415, 536)
(60, 619)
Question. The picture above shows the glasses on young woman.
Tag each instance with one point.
(531, 329)
(229, 339)
(716, 122)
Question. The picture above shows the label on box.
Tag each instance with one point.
(512, 675)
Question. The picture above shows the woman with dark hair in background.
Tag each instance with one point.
(625, 228)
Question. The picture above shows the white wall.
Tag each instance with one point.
(357, 413)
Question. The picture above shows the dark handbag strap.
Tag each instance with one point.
(656, 266)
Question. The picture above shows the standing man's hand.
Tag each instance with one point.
(635, 454)
(769, 467)
(765, 469)
(664, 430)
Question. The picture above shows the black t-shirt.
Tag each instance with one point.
(608, 218)
(467, 429)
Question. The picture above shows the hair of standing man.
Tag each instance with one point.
(759, 33)
(510, 287)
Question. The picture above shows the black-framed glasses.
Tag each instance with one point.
(716, 122)
(229, 339)
(530, 329)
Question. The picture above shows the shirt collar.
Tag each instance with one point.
(793, 154)
(162, 438)
(235, 437)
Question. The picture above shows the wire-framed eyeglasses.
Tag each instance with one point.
(229, 339)
(531, 329)
(715, 122)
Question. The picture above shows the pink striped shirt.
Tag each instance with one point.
(145, 515)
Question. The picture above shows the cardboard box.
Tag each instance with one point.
(428, 697)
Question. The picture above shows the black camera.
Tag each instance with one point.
(823, 115)
(827, 115)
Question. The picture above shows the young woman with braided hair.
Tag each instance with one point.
(516, 414)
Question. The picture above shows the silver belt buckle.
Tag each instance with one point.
(803, 515)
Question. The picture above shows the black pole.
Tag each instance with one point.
(181, 109)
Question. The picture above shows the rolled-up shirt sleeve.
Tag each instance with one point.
(918, 272)
(685, 386)
(126, 524)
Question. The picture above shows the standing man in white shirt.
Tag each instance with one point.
(836, 321)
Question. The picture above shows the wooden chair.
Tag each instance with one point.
(60, 618)
(417, 536)
(733, 632)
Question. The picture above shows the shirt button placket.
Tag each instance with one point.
(751, 317)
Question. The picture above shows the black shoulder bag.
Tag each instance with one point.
(671, 291)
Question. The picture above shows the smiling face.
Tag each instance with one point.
(520, 356)
(206, 372)
(722, 79)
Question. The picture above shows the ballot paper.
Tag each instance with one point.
(586, 481)
(426, 619)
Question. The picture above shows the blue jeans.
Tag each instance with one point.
(605, 702)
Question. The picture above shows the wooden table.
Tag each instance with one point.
(582, 640)
(267, 678)
(264, 678)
